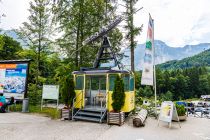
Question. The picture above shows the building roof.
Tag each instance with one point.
(15, 61)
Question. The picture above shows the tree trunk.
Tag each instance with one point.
(132, 44)
(77, 45)
(81, 31)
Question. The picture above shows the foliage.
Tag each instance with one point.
(68, 92)
(138, 96)
(180, 110)
(78, 20)
(34, 95)
(36, 34)
(148, 92)
(118, 95)
(168, 96)
(132, 30)
(9, 48)
(179, 84)
(199, 60)
(138, 79)
(53, 113)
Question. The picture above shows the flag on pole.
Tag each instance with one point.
(148, 71)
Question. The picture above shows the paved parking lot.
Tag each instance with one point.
(19, 126)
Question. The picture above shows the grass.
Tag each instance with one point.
(53, 113)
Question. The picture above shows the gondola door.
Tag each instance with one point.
(95, 85)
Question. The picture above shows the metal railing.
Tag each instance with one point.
(76, 103)
(102, 107)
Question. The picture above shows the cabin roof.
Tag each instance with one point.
(100, 71)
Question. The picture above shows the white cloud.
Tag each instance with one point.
(177, 22)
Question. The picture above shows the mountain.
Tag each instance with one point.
(164, 53)
(201, 59)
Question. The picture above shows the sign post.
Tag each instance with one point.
(50, 92)
(168, 113)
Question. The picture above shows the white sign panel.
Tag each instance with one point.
(166, 111)
(50, 92)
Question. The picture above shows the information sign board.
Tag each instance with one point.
(50, 92)
(13, 79)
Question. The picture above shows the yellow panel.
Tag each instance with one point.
(79, 99)
(129, 101)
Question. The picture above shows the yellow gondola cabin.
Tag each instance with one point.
(94, 89)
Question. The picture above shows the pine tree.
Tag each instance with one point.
(68, 92)
(36, 32)
(132, 30)
(118, 95)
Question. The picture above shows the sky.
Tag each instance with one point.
(177, 22)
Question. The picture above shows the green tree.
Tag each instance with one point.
(118, 95)
(36, 33)
(68, 92)
(168, 96)
(139, 95)
(148, 92)
(181, 86)
(132, 30)
(159, 81)
(194, 81)
(78, 20)
(204, 86)
(9, 48)
(137, 79)
(167, 83)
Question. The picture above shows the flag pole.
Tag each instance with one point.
(154, 72)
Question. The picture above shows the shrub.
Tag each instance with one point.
(168, 96)
(118, 95)
(68, 92)
(180, 110)
(34, 94)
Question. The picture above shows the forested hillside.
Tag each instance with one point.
(202, 59)
(177, 84)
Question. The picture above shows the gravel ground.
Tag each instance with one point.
(19, 126)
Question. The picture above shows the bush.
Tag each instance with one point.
(168, 96)
(34, 94)
(180, 110)
(118, 95)
(68, 92)
(148, 92)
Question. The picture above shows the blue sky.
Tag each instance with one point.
(177, 22)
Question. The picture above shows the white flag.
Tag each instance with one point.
(147, 73)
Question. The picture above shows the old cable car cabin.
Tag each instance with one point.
(94, 88)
